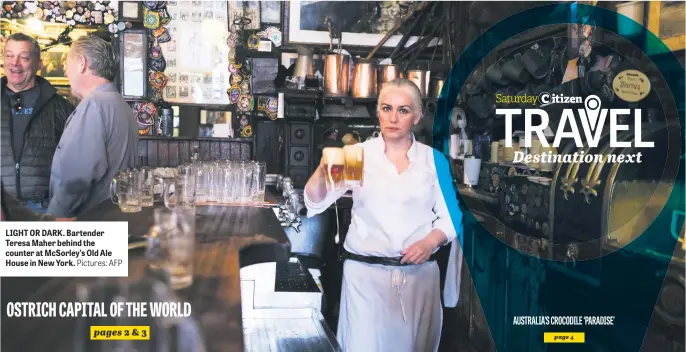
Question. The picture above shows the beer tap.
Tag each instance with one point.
(291, 207)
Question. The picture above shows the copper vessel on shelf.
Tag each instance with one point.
(364, 80)
(387, 73)
(436, 87)
(336, 75)
(420, 78)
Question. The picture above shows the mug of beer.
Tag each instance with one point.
(333, 160)
(126, 190)
(354, 165)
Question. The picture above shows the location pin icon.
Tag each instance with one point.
(592, 105)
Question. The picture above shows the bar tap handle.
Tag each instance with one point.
(286, 186)
(301, 210)
(279, 182)
(293, 221)
(281, 210)
(294, 201)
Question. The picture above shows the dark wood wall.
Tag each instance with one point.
(172, 152)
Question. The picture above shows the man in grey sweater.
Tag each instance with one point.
(100, 137)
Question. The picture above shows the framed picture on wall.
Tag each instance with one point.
(270, 12)
(362, 23)
(55, 65)
(133, 62)
(249, 10)
(131, 11)
(197, 56)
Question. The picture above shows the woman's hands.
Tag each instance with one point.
(420, 251)
(316, 185)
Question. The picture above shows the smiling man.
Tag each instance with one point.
(32, 117)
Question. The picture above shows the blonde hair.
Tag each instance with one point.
(411, 87)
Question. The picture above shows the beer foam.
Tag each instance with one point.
(333, 156)
(353, 153)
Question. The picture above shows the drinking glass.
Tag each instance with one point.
(201, 183)
(227, 172)
(244, 181)
(126, 189)
(148, 186)
(259, 180)
(354, 165)
(333, 160)
(171, 245)
(211, 180)
(184, 192)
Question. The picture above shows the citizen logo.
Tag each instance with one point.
(547, 98)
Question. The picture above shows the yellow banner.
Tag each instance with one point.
(120, 332)
(564, 337)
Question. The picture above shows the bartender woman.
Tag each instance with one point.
(390, 299)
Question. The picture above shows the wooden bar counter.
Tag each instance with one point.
(227, 238)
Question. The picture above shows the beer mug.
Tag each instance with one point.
(148, 186)
(184, 192)
(333, 161)
(126, 189)
(354, 165)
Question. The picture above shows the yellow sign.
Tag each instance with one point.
(564, 337)
(120, 332)
(631, 85)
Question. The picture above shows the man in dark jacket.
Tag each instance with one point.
(32, 119)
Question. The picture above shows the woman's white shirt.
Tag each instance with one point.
(392, 211)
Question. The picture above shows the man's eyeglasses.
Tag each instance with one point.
(16, 101)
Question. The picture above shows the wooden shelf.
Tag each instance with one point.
(216, 139)
(300, 93)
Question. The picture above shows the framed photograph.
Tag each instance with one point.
(197, 55)
(264, 71)
(131, 11)
(244, 9)
(133, 46)
(270, 12)
(215, 123)
(362, 23)
(55, 65)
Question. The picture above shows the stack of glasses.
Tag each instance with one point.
(197, 183)
(218, 182)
